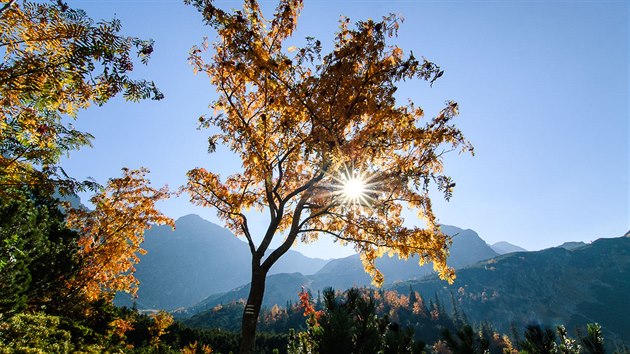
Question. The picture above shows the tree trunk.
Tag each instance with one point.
(252, 309)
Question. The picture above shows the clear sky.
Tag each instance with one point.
(542, 88)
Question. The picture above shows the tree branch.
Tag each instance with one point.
(6, 6)
(288, 242)
(324, 210)
(227, 212)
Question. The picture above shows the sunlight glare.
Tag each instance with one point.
(354, 188)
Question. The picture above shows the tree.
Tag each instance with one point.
(65, 262)
(466, 341)
(111, 234)
(35, 333)
(38, 252)
(56, 61)
(593, 342)
(325, 147)
(161, 321)
(350, 323)
(566, 345)
(538, 340)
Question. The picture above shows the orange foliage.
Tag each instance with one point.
(192, 349)
(309, 309)
(301, 120)
(418, 305)
(120, 326)
(161, 321)
(275, 314)
(396, 301)
(111, 234)
(55, 62)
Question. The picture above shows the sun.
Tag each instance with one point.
(354, 187)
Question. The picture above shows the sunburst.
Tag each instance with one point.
(355, 187)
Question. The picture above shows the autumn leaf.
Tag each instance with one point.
(302, 121)
(57, 61)
(112, 233)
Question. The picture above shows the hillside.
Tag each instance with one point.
(553, 286)
(279, 289)
(198, 258)
(468, 248)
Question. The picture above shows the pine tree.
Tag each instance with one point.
(38, 252)
(594, 341)
(538, 340)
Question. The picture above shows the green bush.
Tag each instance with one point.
(37, 333)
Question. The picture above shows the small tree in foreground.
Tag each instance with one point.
(112, 234)
(325, 147)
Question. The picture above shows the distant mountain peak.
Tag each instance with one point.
(555, 285)
(503, 247)
(198, 258)
(194, 219)
(453, 230)
(191, 217)
(467, 249)
(572, 245)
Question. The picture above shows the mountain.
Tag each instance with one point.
(294, 261)
(571, 245)
(279, 289)
(467, 248)
(198, 258)
(553, 286)
(506, 247)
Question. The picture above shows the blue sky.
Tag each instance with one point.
(542, 88)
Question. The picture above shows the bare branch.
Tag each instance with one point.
(288, 242)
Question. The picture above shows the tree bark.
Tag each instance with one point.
(252, 309)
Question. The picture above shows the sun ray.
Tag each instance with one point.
(354, 187)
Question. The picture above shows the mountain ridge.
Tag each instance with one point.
(504, 247)
(467, 248)
(552, 286)
(198, 258)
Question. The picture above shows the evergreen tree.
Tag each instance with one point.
(336, 324)
(367, 333)
(350, 323)
(567, 344)
(594, 341)
(466, 341)
(412, 297)
(538, 340)
(38, 253)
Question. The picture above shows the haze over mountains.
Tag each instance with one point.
(503, 247)
(573, 286)
(200, 265)
(199, 259)
(467, 248)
